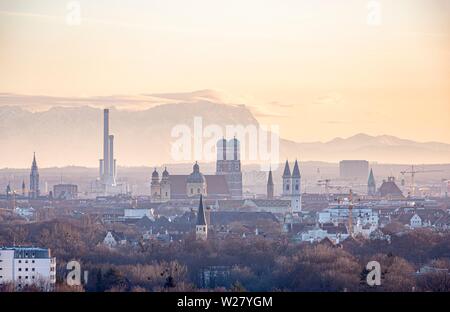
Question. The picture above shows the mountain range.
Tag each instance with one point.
(65, 135)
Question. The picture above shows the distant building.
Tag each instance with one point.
(113, 239)
(65, 191)
(371, 185)
(351, 169)
(34, 180)
(390, 190)
(335, 233)
(25, 266)
(138, 213)
(201, 228)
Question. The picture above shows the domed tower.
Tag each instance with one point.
(196, 182)
(155, 187)
(165, 186)
(287, 181)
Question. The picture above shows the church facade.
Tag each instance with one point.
(225, 184)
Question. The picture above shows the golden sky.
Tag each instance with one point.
(319, 69)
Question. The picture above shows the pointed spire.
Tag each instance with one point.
(371, 181)
(34, 165)
(296, 171)
(201, 220)
(270, 179)
(287, 170)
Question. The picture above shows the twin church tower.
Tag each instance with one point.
(291, 186)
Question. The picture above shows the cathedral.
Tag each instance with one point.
(225, 184)
(228, 164)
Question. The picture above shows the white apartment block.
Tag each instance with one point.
(340, 215)
(27, 266)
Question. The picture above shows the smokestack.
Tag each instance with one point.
(111, 156)
(101, 168)
(106, 161)
(115, 169)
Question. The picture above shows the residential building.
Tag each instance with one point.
(25, 266)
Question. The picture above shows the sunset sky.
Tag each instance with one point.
(319, 69)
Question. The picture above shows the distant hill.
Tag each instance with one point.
(73, 136)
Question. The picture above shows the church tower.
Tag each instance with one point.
(201, 227)
(371, 185)
(228, 164)
(165, 186)
(155, 187)
(286, 181)
(34, 180)
(270, 185)
(296, 199)
(23, 188)
(196, 182)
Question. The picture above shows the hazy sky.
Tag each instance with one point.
(319, 69)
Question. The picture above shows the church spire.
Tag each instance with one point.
(287, 170)
(201, 213)
(270, 185)
(371, 184)
(296, 171)
(34, 179)
(201, 228)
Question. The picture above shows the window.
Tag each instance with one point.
(20, 261)
(26, 277)
(26, 269)
(20, 277)
(32, 261)
(20, 269)
(166, 194)
(33, 269)
(296, 187)
(287, 187)
(26, 261)
(192, 191)
(198, 191)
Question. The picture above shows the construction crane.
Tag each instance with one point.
(413, 173)
(326, 183)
